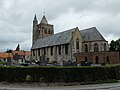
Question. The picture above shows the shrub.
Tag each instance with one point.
(59, 74)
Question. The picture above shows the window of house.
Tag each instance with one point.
(38, 52)
(107, 59)
(77, 44)
(66, 49)
(45, 31)
(49, 31)
(51, 50)
(96, 47)
(59, 49)
(42, 27)
(89, 47)
(86, 59)
(104, 46)
(86, 48)
(96, 60)
(44, 51)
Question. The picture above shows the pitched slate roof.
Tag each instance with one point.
(56, 39)
(44, 20)
(91, 34)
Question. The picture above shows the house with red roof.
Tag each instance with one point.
(6, 57)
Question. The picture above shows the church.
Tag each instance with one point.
(62, 47)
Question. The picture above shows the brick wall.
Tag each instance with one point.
(101, 57)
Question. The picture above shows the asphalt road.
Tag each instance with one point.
(112, 86)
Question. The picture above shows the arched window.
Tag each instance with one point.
(49, 31)
(107, 58)
(104, 46)
(45, 31)
(38, 52)
(39, 31)
(96, 47)
(96, 60)
(86, 48)
(86, 59)
(77, 44)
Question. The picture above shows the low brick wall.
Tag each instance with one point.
(102, 57)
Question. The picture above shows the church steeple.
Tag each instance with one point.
(42, 29)
(44, 20)
(35, 18)
(35, 23)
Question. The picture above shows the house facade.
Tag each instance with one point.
(21, 56)
(60, 47)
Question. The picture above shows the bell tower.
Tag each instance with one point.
(45, 29)
(35, 23)
(42, 29)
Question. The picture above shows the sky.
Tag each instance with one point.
(16, 17)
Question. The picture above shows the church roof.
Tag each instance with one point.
(56, 39)
(44, 20)
(91, 34)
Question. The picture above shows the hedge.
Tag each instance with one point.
(59, 74)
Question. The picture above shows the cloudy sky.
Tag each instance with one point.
(16, 18)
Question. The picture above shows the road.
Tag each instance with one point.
(112, 86)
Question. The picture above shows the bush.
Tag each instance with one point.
(59, 74)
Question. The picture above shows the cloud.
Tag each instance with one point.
(17, 15)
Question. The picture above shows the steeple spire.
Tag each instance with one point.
(44, 20)
(35, 18)
(44, 11)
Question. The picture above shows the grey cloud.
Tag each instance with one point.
(16, 17)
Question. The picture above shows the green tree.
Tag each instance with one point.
(118, 45)
(115, 45)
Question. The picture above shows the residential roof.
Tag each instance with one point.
(5, 55)
(27, 52)
(91, 34)
(22, 53)
(56, 39)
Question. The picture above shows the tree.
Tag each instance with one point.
(118, 45)
(115, 45)
(18, 48)
(112, 45)
(9, 51)
(16, 56)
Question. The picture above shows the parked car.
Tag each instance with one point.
(24, 64)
